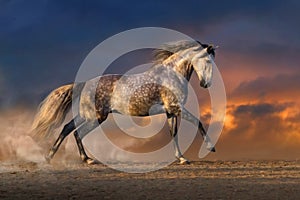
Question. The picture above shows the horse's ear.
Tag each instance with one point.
(210, 49)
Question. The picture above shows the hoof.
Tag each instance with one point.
(184, 161)
(212, 149)
(47, 159)
(91, 161)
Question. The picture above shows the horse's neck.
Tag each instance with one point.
(182, 66)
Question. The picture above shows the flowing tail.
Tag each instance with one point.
(53, 109)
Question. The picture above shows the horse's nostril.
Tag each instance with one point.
(203, 84)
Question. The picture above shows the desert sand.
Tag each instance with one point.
(199, 180)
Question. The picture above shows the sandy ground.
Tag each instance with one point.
(199, 180)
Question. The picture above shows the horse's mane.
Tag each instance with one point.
(168, 49)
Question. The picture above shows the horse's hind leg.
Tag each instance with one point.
(68, 128)
(79, 134)
(172, 121)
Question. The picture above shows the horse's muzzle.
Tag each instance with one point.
(204, 85)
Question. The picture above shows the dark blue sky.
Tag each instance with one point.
(43, 42)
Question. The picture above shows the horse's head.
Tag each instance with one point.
(203, 62)
(199, 56)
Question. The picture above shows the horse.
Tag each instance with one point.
(163, 87)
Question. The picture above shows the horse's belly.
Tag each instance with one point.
(137, 105)
(139, 110)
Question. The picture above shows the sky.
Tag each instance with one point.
(43, 43)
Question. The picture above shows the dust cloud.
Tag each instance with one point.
(16, 143)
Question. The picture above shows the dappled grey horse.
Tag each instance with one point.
(161, 89)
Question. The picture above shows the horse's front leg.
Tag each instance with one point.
(194, 120)
(172, 121)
